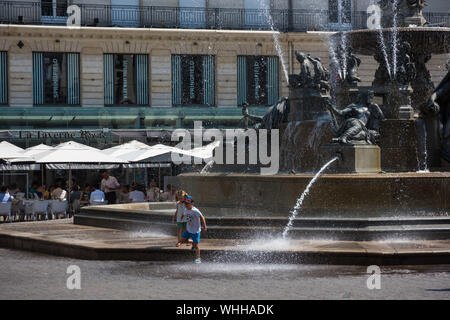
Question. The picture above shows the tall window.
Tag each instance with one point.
(126, 79)
(340, 13)
(56, 78)
(193, 80)
(3, 78)
(257, 80)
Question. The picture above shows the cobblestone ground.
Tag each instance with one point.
(26, 275)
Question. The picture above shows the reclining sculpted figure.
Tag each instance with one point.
(360, 121)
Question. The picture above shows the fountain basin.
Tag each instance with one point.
(336, 195)
(423, 40)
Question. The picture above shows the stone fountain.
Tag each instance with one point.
(374, 190)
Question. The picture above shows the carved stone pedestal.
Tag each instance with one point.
(398, 101)
(357, 158)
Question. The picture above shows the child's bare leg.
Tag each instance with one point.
(197, 249)
(183, 240)
(179, 234)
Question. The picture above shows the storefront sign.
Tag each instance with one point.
(61, 135)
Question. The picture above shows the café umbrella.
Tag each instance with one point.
(74, 155)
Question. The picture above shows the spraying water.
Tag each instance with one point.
(298, 205)
(384, 51)
(336, 65)
(207, 167)
(395, 38)
(383, 47)
(276, 41)
(344, 44)
(423, 166)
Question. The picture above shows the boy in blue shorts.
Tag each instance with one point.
(193, 217)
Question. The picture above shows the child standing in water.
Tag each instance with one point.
(195, 220)
(181, 224)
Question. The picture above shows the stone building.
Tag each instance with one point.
(141, 68)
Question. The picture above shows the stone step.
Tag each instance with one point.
(416, 229)
(332, 222)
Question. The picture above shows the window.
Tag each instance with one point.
(257, 80)
(340, 12)
(192, 13)
(126, 79)
(54, 11)
(257, 14)
(193, 80)
(125, 13)
(56, 78)
(3, 78)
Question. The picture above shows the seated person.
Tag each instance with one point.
(59, 194)
(153, 193)
(75, 194)
(13, 189)
(4, 195)
(97, 196)
(86, 194)
(123, 194)
(168, 195)
(136, 195)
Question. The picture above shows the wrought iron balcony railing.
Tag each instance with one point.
(45, 13)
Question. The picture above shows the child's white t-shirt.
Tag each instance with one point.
(192, 218)
(180, 211)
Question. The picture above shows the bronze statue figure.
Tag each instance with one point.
(273, 119)
(353, 63)
(406, 69)
(313, 75)
(439, 104)
(321, 74)
(360, 121)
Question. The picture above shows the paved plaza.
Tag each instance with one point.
(28, 275)
(34, 275)
(64, 238)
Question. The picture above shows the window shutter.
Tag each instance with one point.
(208, 80)
(142, 79)
(272, 80)
(108, 70)
(73, 78)
(3, 78)
(242, 80)
(38, 78)
(176, 80)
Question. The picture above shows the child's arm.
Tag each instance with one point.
(175, 215)
(203, 222)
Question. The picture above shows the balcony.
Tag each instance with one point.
(15, 12)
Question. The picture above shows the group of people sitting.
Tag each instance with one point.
(138, 193)
(108, 191)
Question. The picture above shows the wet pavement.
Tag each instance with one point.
(28, 275)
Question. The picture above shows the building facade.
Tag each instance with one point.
(143, 68)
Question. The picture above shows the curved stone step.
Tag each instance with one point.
(304, 228)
